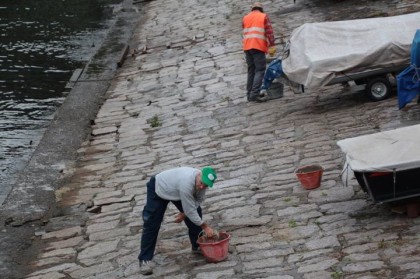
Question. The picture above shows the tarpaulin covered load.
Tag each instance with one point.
(393, 150)
(408, 81)
(319, 52)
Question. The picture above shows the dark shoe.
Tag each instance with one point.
(251, 99)
(257, 99)
(196, 251)
(146, 267)
(261, 99)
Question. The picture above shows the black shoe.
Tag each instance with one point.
(196, 250)
(251, 99)
(257, 99)
(260, 99)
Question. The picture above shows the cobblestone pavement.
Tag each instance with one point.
(191, 81)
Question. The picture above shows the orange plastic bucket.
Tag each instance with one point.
(214, 249)
(310, 176)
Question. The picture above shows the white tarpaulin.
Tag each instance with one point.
(393, 150)
(321, 51)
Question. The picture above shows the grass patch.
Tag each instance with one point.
(337, 274)
(292, 223)
(155, 121)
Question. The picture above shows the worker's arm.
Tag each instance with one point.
(190, 210)
(206, 228)
(269, 31)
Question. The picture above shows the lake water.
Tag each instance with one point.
(42, 42)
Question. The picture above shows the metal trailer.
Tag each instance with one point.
(367, 51)
(390, 186)
(378, 83)
(386, 164)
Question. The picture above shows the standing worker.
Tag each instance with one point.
(258, 39)
(185, 187)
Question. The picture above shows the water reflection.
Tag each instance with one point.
(41, 43)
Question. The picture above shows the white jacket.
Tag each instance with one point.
(178, 184)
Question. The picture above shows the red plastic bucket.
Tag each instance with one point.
(215, 249)
(310, 176)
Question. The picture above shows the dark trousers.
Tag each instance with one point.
(255, 60)
(153, 213)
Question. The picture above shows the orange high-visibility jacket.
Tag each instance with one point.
(254, 31)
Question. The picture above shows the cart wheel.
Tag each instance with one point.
(378, 89)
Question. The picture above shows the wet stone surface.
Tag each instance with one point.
(196, 89)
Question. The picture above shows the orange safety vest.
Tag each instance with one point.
(254, 31)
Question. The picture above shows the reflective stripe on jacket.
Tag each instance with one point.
(254, 31)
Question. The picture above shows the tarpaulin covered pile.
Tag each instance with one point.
(408, 81)
(393, 150)
(319, 52)
(386, 164)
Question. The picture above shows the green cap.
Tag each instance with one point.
(208, 176)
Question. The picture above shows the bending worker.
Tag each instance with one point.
(185, 187)
(258, 37)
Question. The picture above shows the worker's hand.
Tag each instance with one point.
(209, 232)
(272, 50)
(180, 217)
